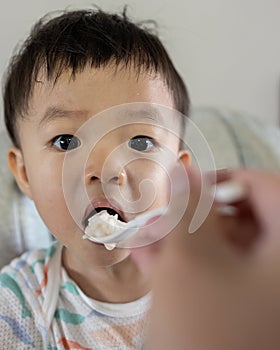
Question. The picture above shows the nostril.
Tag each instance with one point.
(121, 178)
(115, 178)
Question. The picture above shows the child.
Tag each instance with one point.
(77, 294)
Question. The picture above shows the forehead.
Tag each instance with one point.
(94, 90)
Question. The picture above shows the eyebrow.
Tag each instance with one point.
(150, 113)
(56, 112)
(143, 114)
(167, 118)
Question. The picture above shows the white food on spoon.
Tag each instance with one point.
(103, 224)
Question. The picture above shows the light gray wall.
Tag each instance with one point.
(228, 51)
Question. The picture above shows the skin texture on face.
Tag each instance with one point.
(62, 109)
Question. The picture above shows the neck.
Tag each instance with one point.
(123, 282)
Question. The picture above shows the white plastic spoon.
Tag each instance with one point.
(130, 229)
(225, 193)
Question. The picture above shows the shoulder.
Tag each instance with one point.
(21, 285)
(30, 263)
(26, 273)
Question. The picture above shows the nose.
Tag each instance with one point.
(103, 165)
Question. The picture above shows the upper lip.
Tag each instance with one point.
(102, 203)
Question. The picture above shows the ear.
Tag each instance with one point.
(184, 157)
(17, 167)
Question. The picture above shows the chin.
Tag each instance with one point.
(107, 258)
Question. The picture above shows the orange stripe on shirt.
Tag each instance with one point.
(44, 281)
(70, 344)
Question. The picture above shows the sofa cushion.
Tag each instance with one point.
(235, 139)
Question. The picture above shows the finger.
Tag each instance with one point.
(219, 175)
(262, 198)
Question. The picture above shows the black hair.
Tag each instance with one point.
(76, 38)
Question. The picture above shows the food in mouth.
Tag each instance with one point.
(104, 224)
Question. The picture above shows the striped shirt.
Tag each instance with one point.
(42, 308)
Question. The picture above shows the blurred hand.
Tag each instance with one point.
(219, 288)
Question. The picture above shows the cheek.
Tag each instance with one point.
(151, 181)
(55, 214)
(46, 182)
(162, 186)
(46, 186)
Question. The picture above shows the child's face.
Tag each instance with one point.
(111, 172)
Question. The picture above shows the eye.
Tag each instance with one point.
(66, 142)
(141, 143)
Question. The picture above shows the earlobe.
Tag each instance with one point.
(184, 157)
(17, 167)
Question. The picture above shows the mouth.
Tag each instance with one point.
(95, 209)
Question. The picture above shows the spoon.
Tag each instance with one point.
(130, 229)
(225, 194)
